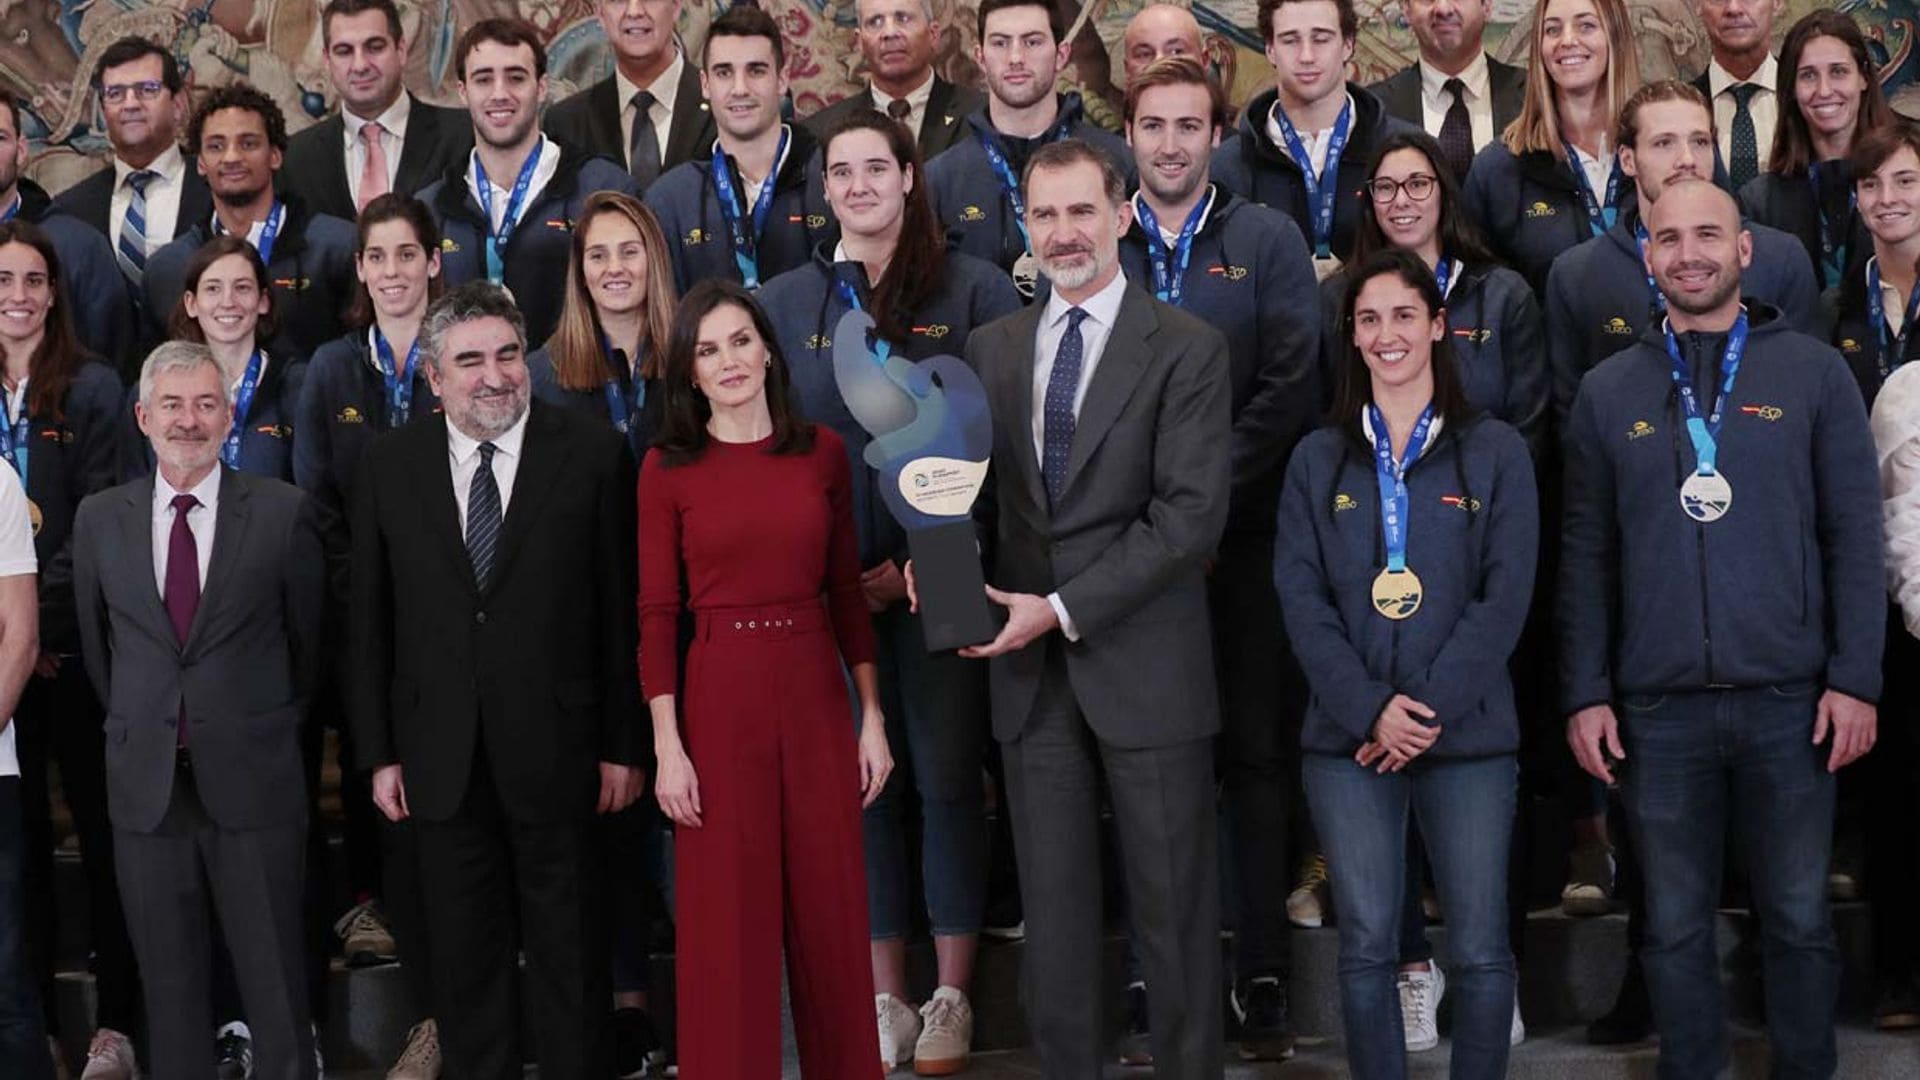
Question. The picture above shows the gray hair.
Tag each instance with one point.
(1066, 152)
(465, 303)
(178, 358)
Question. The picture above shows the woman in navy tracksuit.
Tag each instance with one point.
(1405, 574)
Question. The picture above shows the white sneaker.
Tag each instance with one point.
(109, 1057)
(1420, 994)
(1517, 1034)
(946, 1037)
(899, 1029)
(420, 1060)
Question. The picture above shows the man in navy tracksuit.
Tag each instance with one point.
(1598, 296)
(975, 184)
(1721, 586)
(1244, 269)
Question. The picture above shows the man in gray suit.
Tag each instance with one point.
(1110, 473)
(199, 592)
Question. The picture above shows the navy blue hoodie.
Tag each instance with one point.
(1530, 208)
(1250, 276)
(970, 200)
(1473, 538)
(546, 387)
(805, 306)
(688, 206)
(1858, 340)
(1786, 203)
(1598, 301)
(1252, 166)
(1787, 587)
(101, 301)
(69, 457)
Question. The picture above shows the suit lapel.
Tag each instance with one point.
(433, 479)
(423, 137)
(339, 190)
(691, 118)
(137, 518)
(229, 538)
(541, 456)
(1015, 387)
(196, 203)
(939, 125)
(1122, 361)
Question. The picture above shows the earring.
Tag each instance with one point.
(768, 362)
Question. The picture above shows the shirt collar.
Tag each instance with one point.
(916, 98)
(207, 491)
(171, 166)
(1433, 429)
(1433, 81)
(1279, 139)
(665, 86)
(462, 447)
(1765, 77)
(394, 119)
(1102, 307)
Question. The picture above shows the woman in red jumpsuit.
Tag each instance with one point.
(750, 505)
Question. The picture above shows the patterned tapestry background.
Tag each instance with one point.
(49, 48)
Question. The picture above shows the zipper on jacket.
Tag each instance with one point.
(1706, 613)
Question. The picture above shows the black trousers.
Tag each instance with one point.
(1891, 775)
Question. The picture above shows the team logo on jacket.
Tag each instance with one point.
(1462, 502)
(972, 213)
(560, 224)
(350, 415)
(1768, 413)
(1541, 210)
(448, 247)
(817, 342)
(936, 331)
(696, 236)
(1228, 271)
(1474, 335)
(295, 284)
(811, 221)
(1849, 346)
(56, 435)
(1344, 501)
(1617, 325)
(1640, 430)
(278, 431)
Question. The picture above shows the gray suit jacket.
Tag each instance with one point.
(1506, 84)
(1144, 506)
(948, 107)
(246, 674)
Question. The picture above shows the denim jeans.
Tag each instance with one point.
(1697, 762)
(1465, 812)
(936, 708)
(23, 1031)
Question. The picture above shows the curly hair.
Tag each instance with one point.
(238, 96)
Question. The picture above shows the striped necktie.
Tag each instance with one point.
(132, 245)
(483, 517)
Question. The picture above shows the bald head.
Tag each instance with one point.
(1696, 249)
(1159, 31)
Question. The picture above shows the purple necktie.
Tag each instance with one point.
(182, 594)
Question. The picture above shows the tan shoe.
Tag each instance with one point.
(899, 1028)
(109, 1057)
(1589, 888)
(946, 1034)
(1312, 897)
(421, 1059)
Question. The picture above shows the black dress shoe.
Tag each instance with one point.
(1136, 1039)
(1266, 1029)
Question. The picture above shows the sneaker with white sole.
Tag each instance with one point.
(946, 1034)
(1312, 897)
(1517, 1034)
(233, 1052)
(899, 1030)
(420, 1060)
(1589, 888)
(1420, 994)
(109, 1057)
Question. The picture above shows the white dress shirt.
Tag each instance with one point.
(199, 521)
(1765, 106)
(502, 186)
(916, 100)
(16, 559)
(463, 455)
(393, 137)
(163, 199)
(1103, 310)
(1317, 142)
(665, 89)
(1435, 101)
(1599, 170)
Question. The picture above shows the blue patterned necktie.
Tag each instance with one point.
(483, 517)
(1062, 384)
(1746, 145)
(132, 245)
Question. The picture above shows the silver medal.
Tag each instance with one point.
(1026, 274)
(1706, 497)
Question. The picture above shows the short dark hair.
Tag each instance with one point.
(1178, 71)
(185, 327)
(501, 31)
(1054, 21)
(1627, 132)
(131, 48)
(358, 7)
(1059, 155)
(746, 20)
(238, 96)
(1349, 19)
(464, 303)
(1877, 144)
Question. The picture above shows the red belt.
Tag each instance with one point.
(767, 620)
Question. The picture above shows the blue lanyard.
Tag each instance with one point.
(269, 231)
(1322, 190)
(1600, 216)
(13, 437)
(1640, 240)
(1893, 357)
(11, 210)
(497, 237)
(1833, 256)
(625, 397)
(1009, 183)
(746, 244)
(1705, 433)
(399, 380)
(1392, 477)
(242, 405)
(1170, 265)
(1443, 274)
(881, 349)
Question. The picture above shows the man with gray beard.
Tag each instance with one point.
(494, 693)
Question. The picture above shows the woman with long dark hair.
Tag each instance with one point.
(750, 506)
(890, 260)
(1408, 579)
(1807, 190)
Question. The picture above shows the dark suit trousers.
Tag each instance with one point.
(173, 880)
(484, 874)
(1163, 810)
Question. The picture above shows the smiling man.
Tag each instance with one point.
(651, 78)
(1454, 91)
(506, 210)
(899, 39)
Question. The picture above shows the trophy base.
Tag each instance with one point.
(952, 588)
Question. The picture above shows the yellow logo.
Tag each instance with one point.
(697, 236)
(1462, 502)
(1229, 271)
(1848, 345)
(1640, 430)
(1616, 325)
(1541, 209)
(819, 341)
(1769, 413)
(936, 331)
(972, 213)
(350, 415)
(1474, 335)
(1344, 501)
(816, 221)
(448, 247)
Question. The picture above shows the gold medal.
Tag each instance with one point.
(1397, 593)
(35, 517)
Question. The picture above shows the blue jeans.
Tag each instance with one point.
(23, 1032)
(1465, 812)
(1695, 763)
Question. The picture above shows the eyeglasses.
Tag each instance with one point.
(1419, 187)
(149, 90)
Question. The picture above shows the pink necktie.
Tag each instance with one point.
(373, 175)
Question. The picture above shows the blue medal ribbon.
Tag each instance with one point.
(1322, 190)
(1600, 216)
(881, 348)
(242, 405)
(626, 394)
(11, 210)
(269, 229)
(1443, 272)
(13, 436)
(1833, 256)
(1003, 171)
(1392, 477)
(399, 379)
(1705, 432)
(497, 238)
(1893, 352)
(1659, 298)
(746, 241)
(1170, 265)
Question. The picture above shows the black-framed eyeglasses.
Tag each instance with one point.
(1419, 187)
(146, 90)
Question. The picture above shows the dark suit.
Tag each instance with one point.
(316, 159)
(228, 833)
(91, 200)
(945, 123)
(590, 120)
(1144, 503)
(1506, 84)
(499, 704)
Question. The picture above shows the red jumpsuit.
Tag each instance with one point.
(777, 864)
